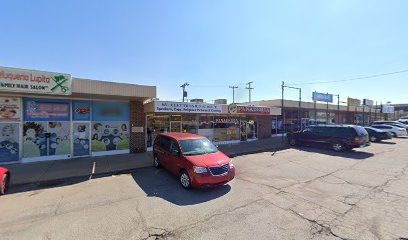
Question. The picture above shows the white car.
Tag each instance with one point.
(394, 130)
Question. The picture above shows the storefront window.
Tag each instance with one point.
(226, 128)
(190, 124)
(10, 116)
(205, 127)
(155, 125)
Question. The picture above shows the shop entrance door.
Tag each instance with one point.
(81, 136)
(175, 126)
(244, 134)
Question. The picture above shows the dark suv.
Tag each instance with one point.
(337, 137)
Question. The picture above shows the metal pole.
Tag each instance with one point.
(338, 108)
(375, 114)
(363, 116)
(283, 112)
(249, 88)
(327, 111)
(233, 93)
(300, 109)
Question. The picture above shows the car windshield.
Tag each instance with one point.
(200, 146)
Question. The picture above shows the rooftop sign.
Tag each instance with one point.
(175, 107)
(243, 109)
(30, 81)
(322, 97)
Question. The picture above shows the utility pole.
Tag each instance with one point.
(233, 93)
(249, 89)
(283, 112)
(184, 90)
(338, 108)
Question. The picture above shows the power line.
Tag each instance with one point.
(351, 79)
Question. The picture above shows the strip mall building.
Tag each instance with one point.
(52, 116)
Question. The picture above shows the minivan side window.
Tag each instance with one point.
(174, 146)
(163, 143)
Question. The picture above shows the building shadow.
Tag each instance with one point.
(352, 154)
(160, 183)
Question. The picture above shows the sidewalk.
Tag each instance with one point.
(41, 172)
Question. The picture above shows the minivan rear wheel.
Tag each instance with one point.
(338, 147)
(156, 162)
(373, 139)
(394, 135)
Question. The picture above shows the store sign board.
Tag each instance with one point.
(227, 120)
(10, 109)
(322, 97)
(39, 109)
(353, 102)
(243, 109)
(110, 111)
(30, 81)
(367, 102)
(388, 109)
(174, 107)
(81, 110)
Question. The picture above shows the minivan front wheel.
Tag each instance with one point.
(338, 147)
(185, 179)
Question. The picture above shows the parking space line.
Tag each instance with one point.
(93, 170)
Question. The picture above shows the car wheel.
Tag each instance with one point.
(394, 135)
(373, 139)
(156, 162)
(338, 147)
(185, 179)
(292, 142)
(4, 184)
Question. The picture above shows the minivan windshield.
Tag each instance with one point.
(199, 146)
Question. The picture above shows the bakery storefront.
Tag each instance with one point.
(220, 123)
(52, 116)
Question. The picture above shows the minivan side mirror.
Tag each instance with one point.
(175, 152)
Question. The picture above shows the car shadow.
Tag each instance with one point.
(352, 154)
(160, 183)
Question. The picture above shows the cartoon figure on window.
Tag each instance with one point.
(81, 141)
(39, 142)
(9, 146)
(109, 136)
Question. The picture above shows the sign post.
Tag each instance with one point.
(323, 97)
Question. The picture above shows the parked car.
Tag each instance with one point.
(403, 121)
(337, 137)
(4, 180)
(194, 159)
(395, 131)
(392, 123)
(377, 135)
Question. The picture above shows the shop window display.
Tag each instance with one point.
(9, 142)
(190, 124)
(109, 136)
(226, 129)
(156, 125)
(81, 139)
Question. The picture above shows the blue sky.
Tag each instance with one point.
(213, 44)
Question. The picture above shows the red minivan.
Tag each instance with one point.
(193, 158)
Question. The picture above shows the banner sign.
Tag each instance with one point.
(81, 110)
(174, 107)
(30, 81)
(243, 109)
(353, 102)
(10, 109)
(110, 111)
(388, 109)
(41, 109)
(322, 97)
(367, 102)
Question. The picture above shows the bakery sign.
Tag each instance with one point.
(244, 109)
(30, 81)
(175, 107)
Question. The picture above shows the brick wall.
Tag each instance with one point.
(137, 119)
(264, 126)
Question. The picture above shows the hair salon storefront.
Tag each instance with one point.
(221, 124)
(50, 116)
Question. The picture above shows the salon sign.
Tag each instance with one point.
(30, 81)
(176, 107)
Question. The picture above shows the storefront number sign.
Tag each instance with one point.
(242, 109)
(173, 107)
(41, 109)
(20, 80)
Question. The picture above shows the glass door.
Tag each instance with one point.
(243, 129)
(175, 126)
(81, 136)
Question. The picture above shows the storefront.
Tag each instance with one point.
(220, 123)
(51, 116)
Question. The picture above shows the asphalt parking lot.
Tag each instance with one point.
(303, 193)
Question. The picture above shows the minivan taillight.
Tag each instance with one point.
(356, 140)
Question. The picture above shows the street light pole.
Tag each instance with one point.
(184, 89)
